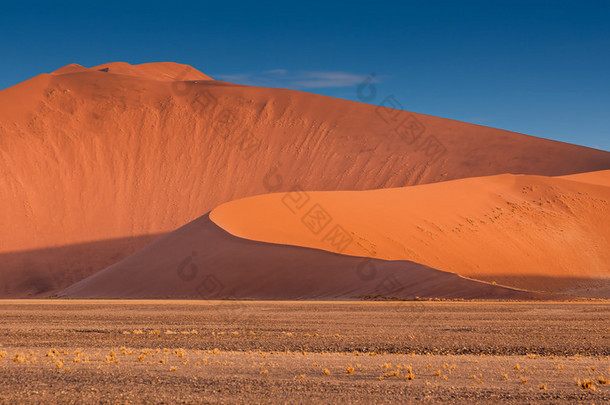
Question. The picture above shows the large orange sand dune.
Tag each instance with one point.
(90, 156)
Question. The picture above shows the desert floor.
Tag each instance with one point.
(293, 352)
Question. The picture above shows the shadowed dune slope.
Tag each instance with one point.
(200, 260)
(121, 151)
(515, 230)
(37, 276)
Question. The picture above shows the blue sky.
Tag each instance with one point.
(536, 67)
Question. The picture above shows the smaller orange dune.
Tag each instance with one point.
(532, 232)
(601, 178)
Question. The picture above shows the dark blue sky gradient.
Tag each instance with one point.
(537, 67)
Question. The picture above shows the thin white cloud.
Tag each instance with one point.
(329, 79)
(305, 79)
(276, 71)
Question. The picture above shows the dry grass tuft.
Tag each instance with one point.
(586, 385)
(394, 374)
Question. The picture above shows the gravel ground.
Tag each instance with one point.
(294, 352)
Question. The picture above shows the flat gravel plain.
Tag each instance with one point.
(98, 351)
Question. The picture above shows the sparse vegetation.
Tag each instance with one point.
(586, 384)
(534, 373)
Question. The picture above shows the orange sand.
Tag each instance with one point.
(531, 232)
(119, 152)
(200, 260)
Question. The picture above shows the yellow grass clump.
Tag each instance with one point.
(18, 358)
(586, 385)
(394, 374)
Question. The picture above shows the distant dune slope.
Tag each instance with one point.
(119, 151)
(200, 260)
(601, 178)
(531, 232)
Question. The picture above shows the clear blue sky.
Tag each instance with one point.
(537, 67)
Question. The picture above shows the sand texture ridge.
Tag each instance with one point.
(97, 163)
(531, 232)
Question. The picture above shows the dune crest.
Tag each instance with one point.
(601, 178)
(163, 71)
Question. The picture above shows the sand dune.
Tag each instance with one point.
(117, 151)
(601, 178)
(531, 232)
(200, 260)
